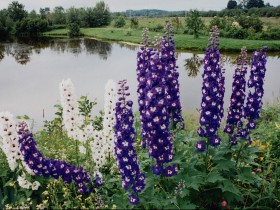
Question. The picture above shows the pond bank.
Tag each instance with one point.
(183, 41)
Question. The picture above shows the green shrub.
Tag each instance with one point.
(74, 30)
(119, 22)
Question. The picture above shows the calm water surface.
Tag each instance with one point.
(31, 73)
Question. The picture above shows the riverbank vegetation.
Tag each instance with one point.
(242, 22)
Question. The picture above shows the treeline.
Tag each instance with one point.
(16, 21)
(261, 12)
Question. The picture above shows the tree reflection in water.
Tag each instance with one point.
(192, 65)
(102, 49)
(21, 53)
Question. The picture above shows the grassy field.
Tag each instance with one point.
(183, 41)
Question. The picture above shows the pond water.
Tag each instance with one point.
(32, 70)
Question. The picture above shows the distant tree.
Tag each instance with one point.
(73, 22)
(119, 22)
(232, 4)
(16, 11)
(101, 14)
(58, 15)
(176, 23)
(255, 3)
(134, 22)
(194, 22)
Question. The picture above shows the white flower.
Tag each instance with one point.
(35, 185)
(82, 149)
(71, 117)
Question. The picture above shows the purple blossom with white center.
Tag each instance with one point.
(255, 83)
(200, 146)
(168, 61)
(213, 89)
(143, 58)
(235, 113)
(124, 145)
(50, 167)
(159, 137)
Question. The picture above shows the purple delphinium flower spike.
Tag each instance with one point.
(235, 113)
(168, 61)
(124, 145)
(50, 167)
(143, 57)
(255, 83)
(159, 137)
(211, 111)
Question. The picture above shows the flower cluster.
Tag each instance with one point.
(72, 120)
(11, 148)
(143, 58)
(50, 167)
(235, 113)
(158, 98)
(109, 116)
(168, 61)
(124, 145)
(9, 144)
(103, 144)
(213, 89)
(255, 83)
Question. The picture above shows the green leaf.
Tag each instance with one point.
(214, 177)
(225, 165)
(228, 186)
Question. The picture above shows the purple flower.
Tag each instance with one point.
(234, 118)
(168, 61)
(213, 89)
(133, 199)
(200, 146)
(143, 58)
(255, 83)
(124, 144)
(50, 167)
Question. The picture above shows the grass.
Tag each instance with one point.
(183, 41)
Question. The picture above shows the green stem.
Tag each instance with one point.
(206, 156)
(77, 153)
(238, 154)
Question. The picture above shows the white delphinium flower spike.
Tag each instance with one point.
(109, 116)
(97, 149)
(10, 144)
(71, 118)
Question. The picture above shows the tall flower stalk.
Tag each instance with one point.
(103, 145)
(213, 89)
(124, 145)
(143, 58)
(168, 60)
(255, 85)
(236, 108)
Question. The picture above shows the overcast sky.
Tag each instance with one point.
(122, 5)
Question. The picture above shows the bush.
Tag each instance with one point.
(120, 22)
(157, 28)
(74, 30)
(271, 34)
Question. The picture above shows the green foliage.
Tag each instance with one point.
(16, 11)
(31, 26)
(254, 3)
(194, 22)
(119, 22)
(74, 30)
(85, 108)
(232, 4)
(134, 22)
(58, 16)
